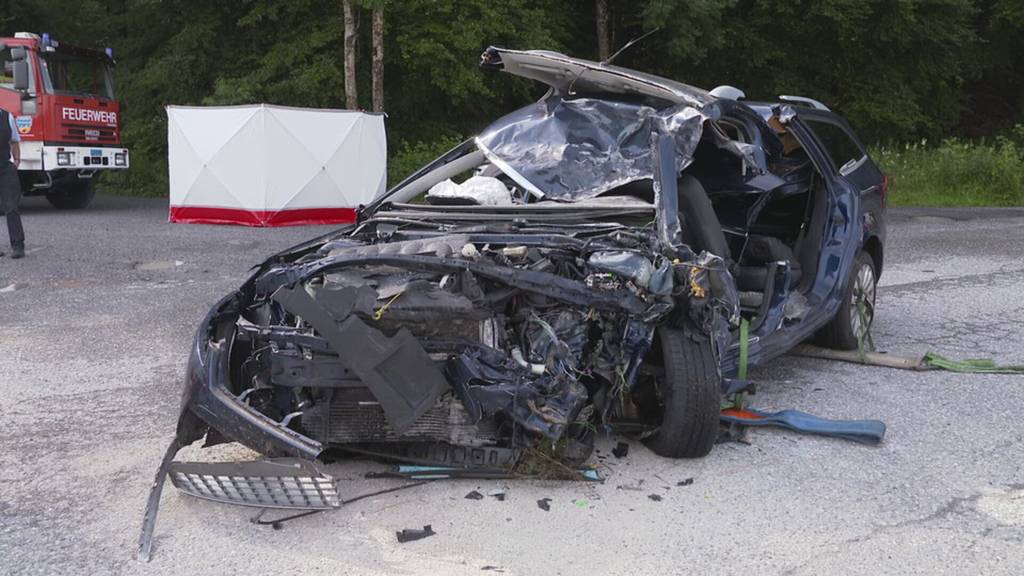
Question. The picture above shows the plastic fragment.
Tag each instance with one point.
(621, 450)
(474, 495)
(544, 504)
(412, 534)
(633, 487)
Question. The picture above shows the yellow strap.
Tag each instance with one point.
(380, 311)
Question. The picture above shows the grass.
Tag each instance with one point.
(411, 156)
(956, 172)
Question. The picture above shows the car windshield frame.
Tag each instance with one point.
(56, 79)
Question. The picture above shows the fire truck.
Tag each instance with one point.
(62, 99)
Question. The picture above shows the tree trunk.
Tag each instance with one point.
(351, 44)
(377, 63)
(604, 44)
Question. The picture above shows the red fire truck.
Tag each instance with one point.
(62, 98)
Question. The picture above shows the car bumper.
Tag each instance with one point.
(208, 402)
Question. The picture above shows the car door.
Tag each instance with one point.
(851, 177)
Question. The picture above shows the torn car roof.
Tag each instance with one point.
(562, 73)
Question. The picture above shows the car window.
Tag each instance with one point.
(838, 143)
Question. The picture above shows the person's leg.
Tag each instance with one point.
(10, 197)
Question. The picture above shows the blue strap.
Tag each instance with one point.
(863, 431)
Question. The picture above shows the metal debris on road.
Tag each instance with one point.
(621, 450)
(412, 534)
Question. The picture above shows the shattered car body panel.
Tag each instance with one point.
(580, 148)
(471, 335)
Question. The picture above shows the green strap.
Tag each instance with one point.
(971, 365)
(741, 371)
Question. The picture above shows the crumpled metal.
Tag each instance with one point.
(576, 149)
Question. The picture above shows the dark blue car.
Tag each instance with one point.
(586, 263)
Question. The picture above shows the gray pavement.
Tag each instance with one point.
(94, 330)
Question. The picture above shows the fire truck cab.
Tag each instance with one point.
(62, 99)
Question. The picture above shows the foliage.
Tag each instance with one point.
(410, 156)
(956, 172)
(899, 70)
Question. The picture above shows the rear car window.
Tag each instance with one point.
(837, 142)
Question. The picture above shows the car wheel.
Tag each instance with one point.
(856, 310)
(689, 387)
(75, 195)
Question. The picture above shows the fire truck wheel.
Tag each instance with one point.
(73, 195)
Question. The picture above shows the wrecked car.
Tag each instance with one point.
(586, 263)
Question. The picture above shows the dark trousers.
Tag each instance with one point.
(10, 196)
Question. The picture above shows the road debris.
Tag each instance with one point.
(544, 504)
(632, 487)
(655, 497)
(158, 265)
(621, 450)
(412, 534)
(474, 495)
(685, 482)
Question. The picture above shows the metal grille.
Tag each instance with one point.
(349, 422)
(291, 484)
(76, 132)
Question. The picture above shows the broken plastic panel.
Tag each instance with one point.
(292, 484)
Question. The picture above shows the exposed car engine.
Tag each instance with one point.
(390, 339)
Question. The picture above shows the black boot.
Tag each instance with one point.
(17, 251)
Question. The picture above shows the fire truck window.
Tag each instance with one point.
(78, 76)
(6, 72)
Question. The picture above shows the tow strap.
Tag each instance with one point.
(930, 361)
(863, 431)
(738, 417)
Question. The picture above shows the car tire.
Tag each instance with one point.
(74, 195)
(690, 391)
(848, 327)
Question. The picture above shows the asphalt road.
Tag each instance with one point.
(94, 329)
